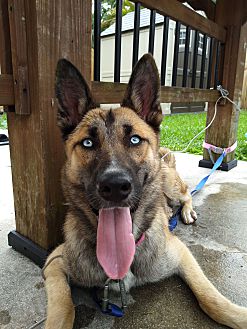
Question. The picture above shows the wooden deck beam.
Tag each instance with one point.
(177, 11)
(112, 93)
(208, 6)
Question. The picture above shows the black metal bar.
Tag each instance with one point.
(175, 57)
(118, 31)
(203, 62)
(186, 56)
(151, 32)
(195, 55)
(164, 50)
(136, 34)
(216, 68)
(97, 31)
(210, 60)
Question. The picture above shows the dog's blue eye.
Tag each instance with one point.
(88, 143)
(135, 140)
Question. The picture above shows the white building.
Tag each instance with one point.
(108, 47)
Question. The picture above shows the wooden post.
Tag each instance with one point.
(18, 32)
(54, 29)
(5, 56)
(223, 132)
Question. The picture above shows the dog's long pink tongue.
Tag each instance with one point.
(115, 241)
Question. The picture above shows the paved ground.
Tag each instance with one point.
(218, 240)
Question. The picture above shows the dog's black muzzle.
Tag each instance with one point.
(114, 186)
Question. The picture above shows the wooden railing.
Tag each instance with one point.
(113, 92)
(105, 91)
(214, 37)
(186, 16)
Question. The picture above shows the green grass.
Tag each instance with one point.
(178, 130)
(3, 121)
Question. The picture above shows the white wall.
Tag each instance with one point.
(108, 49)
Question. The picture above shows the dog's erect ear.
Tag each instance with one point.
(73, 95)
(142, 94)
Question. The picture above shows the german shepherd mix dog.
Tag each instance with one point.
(118, 189)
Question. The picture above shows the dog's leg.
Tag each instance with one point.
(211, 301)
(60, 308)
(175, 188)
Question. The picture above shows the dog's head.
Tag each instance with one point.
(110, 152)
(112, 155)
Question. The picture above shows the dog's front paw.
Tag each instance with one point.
(189, 216)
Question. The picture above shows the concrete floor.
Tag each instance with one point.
(218, 240)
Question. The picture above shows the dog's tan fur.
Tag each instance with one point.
(161, 254)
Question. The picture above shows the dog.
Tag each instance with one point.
(118, 189)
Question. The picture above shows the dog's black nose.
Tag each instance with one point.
(114, 186)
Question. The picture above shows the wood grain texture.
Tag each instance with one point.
(5, 47)
(223, 131)
(177, 11)
(57, 30)
(5, 56)
(208, 6)
(18, 36)
(7, 96)
(110, 93)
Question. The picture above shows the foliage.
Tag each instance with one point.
(108, 12)
(178, 130)
(3, 121)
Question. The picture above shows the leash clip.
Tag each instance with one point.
(105, 299)
(106, 306)
(123, 294)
